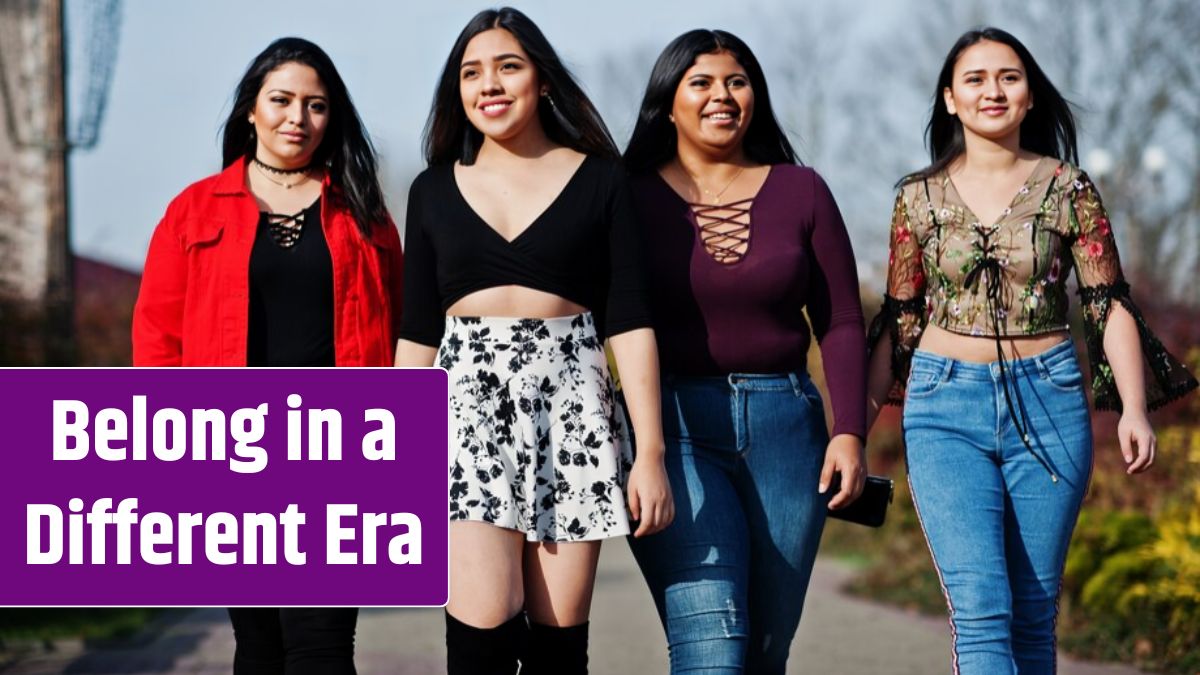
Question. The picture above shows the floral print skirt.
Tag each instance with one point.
(538, 442)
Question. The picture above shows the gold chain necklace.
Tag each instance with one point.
(716, 198)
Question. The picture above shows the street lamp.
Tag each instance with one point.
(1100, 162)
(1154, 161)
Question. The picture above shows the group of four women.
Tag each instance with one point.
(530, 241)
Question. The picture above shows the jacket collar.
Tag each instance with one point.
(232, 181)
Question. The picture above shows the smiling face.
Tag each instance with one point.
(499, 85)
(290, 116)
(989, 92)
(714, 104)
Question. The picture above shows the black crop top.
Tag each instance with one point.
(584, 247)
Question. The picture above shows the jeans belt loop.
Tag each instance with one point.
(1043, 369)
(797, 383)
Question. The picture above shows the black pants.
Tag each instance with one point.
(293, 641)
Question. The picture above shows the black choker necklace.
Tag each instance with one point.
(281, 172)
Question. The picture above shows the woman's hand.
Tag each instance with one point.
(650, 499)
(1136, 435)
(847, 456)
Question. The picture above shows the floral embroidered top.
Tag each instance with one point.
(1008, 278)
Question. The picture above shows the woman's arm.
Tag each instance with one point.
(835, 311)
(636, 352)
(896, 330)
(650, 499)
(1110, 324)
(422, 320)
(1124, 352)
(880, 379)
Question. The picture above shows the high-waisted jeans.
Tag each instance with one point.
(996, 523)
(744, 456)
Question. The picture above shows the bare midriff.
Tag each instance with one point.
(982, 348)
(515, 302)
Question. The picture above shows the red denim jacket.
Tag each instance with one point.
(194, 303)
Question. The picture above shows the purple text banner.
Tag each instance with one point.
(226, 487)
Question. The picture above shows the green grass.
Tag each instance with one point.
(92, 625)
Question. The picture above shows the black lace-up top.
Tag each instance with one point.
(291, 292)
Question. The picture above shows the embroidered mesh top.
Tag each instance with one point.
(1008, 278)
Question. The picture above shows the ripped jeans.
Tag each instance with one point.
(744, 456)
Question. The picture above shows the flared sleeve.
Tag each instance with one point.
(903, 314)
(1098, 270)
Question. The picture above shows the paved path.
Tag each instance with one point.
(838, 635)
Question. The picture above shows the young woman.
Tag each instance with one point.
(743, 240)
(522, 257)
(286, 258)
(974, 326)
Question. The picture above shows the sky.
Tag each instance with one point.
(850, 80)
(178, 62)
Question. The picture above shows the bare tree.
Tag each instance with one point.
(1132, 71)
(14, 320)
(804, 66)
(8, 205)
(622, 78)
(855, 92)
(1126, 65)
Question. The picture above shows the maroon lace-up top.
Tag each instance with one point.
(720, 307)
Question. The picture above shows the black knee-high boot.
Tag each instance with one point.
(484, 651)
(556, 650)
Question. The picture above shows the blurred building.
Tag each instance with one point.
(103, 308)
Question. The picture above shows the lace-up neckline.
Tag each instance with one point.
(724, 229)
(286, 229)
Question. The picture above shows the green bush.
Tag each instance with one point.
(90, 624)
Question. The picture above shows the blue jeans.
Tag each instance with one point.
(744, 456)
(996, 523)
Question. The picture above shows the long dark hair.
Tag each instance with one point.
(572, 121)
(653, 141)
(1048, 129)
(346, 150)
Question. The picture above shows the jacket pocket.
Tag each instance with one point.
(198, 232)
